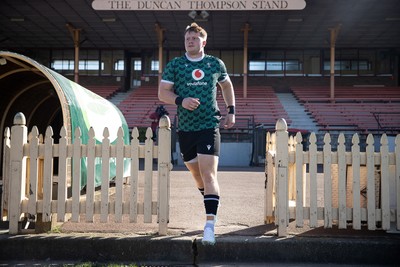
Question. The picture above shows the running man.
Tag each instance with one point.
(190, 82)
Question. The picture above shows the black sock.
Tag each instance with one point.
(201, 191)
(211, 203)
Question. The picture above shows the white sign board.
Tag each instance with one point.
(177, 5)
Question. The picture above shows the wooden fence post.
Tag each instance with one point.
(76, 175)
(327, 155)
(385, 191)
(312, 181)
(48, 174)
(371, 204)
(300, 175)
(164, 168)
(105, 175)
(341, 150)
(355, 153)
(269, 180)
(282, 159)
(134, 179)
(148, 176)
(19, 136)
(62, 176)
(119, 179)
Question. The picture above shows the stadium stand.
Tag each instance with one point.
(358, 108)
(140, 104)
(348, 93)
(105, 91)
(261, 107)
(261, 103)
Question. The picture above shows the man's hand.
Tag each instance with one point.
(229, 121)
(191, 103)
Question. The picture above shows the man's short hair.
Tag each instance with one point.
(196, 28)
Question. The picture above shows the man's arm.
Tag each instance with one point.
(167, 95)
(227, 92)
(229, 98)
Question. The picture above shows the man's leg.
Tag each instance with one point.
(208, 165)
(193, 167)
(204, 172)
(203, 166)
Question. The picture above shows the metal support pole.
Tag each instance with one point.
(75, 37)
(160, 35)
(334, 34)
(245, 30)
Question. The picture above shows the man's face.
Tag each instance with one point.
(194, 43)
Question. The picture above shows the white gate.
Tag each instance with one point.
(291, 193)
(28, 175)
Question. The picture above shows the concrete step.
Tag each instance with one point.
(121, 96)
(300, 118)
(188, 251)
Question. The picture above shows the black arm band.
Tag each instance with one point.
(231, 109)
(178, 101)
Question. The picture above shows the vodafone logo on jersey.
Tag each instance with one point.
(197, 74)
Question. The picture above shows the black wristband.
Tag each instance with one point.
(231, 109)
(178, 101)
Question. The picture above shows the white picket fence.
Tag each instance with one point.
(333, 196)
(28, 176)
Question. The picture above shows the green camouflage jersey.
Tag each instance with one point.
(198, 79)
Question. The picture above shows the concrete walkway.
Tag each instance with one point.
(242, 236)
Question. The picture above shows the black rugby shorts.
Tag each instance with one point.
(199, 142)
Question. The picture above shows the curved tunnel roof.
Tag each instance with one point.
(47, 98)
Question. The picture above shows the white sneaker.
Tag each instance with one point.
(208, 237)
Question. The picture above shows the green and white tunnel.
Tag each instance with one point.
(47, 98)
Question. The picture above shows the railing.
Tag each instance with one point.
(28, 163)
(291, 193)
(382, 125)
